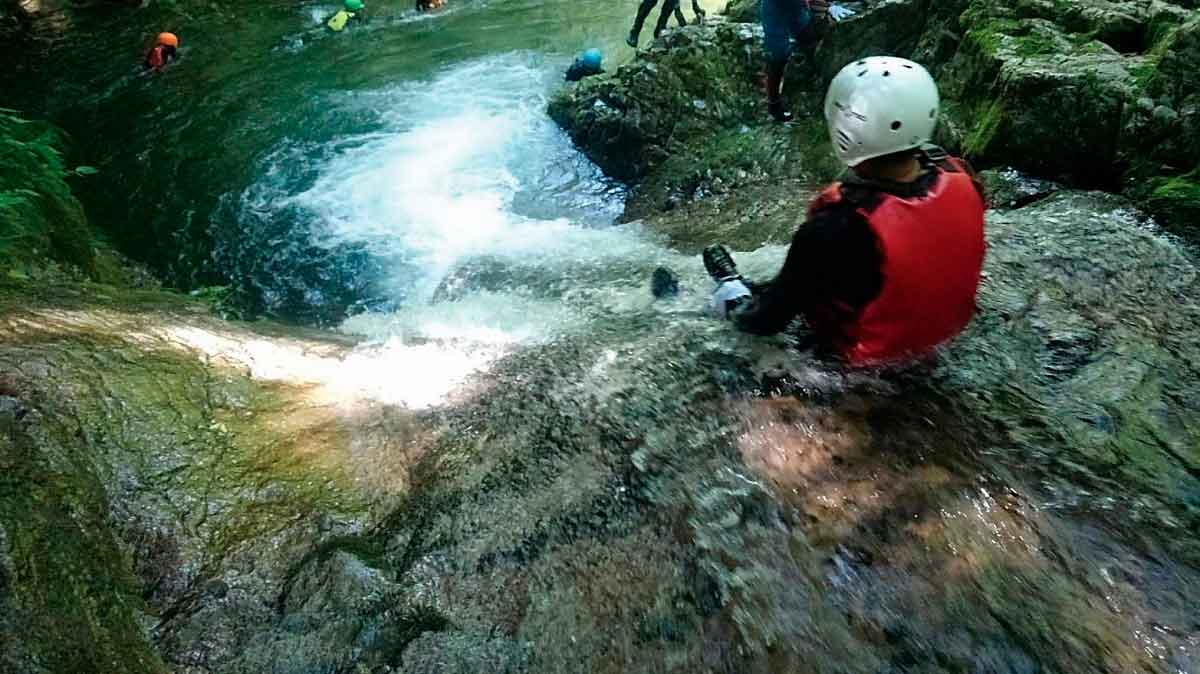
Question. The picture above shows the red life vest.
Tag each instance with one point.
(932, 249)
(156, 58)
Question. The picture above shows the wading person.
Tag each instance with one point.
(887, 264)
(163, 51)
(669, 7)
(586, 64)
(351, 9)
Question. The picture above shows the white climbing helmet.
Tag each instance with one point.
(880, 105)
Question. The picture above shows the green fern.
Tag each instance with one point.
(40, 220)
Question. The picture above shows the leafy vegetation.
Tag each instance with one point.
(40, 220)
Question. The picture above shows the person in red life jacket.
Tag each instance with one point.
(888, 262)
(162, 52)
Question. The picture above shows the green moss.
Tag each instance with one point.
(1142, 73)
(1175, 202)
(135, 458)
(74, 598)
(39, 217)
(984, 128)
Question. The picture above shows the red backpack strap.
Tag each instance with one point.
(828, 197)
(944, 161)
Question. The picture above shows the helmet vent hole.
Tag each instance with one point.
(896, 125)
(908, 66)
(861, 63)
(861, 73)
(886, 73)
(933, 113)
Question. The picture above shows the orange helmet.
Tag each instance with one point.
(168, 39)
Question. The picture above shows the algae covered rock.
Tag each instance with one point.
(1175, 202)
(689, 83)
(163, 510)
(1173, 135)
(1041, 102)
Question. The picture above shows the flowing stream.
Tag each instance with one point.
(401, 182)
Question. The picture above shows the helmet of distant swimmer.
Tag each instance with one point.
(354, 5)
(168, 39)
(878, 106)
(592, 58)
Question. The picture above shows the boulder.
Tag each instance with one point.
(1035, 97)
(1173, 133)
(888, 27)
(689, 83)
(1175, 202)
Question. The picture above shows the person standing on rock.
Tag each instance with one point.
(784, 21)
(887, 265)
(669, 7)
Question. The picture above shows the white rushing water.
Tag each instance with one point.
(501, 232)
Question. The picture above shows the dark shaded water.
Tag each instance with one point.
(265, 103)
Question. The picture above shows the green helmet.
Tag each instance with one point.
(354, 5)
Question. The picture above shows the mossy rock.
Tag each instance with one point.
(889, 27)
(742, 11)
(1119, 25)
(1175, 202)
(688, 84)
(156, 503)
(1031, 96)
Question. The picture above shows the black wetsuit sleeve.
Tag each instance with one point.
(834, 258)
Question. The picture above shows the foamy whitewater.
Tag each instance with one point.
(497, 231)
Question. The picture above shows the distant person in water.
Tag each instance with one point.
(669, 7)
(587, 64)
(886, 266)
(783, 22)
(351, 9)
(429, 5)
(163, 51)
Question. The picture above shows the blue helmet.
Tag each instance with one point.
(592, 58)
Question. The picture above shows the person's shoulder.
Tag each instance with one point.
(852, 196)
(830, 221)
